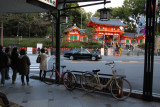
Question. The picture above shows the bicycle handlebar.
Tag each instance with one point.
(110, 63)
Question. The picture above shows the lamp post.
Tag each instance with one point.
(104, 13)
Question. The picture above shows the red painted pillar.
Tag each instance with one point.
(2, 33)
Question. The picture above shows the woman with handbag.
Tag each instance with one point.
(43, 63)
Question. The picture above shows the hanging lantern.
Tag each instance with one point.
(104, 14)
(63, 19)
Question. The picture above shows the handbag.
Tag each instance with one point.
(38, 59)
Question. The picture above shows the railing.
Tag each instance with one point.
(103, 79)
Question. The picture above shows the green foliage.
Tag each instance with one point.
(141, 46)
(79, 44)
(90, 32)
(129, 13)
(97, 14)
(32, 42)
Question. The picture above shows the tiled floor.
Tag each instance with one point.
(38, 94)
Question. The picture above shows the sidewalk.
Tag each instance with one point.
(39, 94)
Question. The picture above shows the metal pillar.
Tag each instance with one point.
(52, 37)
(58, 44)
(149, 49)
(2, 33)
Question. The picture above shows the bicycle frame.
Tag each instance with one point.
(55, 70)
(101, 86)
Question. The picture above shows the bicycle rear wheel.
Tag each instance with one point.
(88, 82)
(69, 80)
(47, 78)
(121, 90)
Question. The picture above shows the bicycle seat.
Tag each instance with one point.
(96, 70)
(63, 66)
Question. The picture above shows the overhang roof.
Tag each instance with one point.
(132, 34)
(19, 6)
(114, 22)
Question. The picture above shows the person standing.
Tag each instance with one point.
(14, 64)
(43, 63)
(3, 65)
(24, 66)
(7, 51)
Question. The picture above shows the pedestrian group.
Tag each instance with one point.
(19, 63)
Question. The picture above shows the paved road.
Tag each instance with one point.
(131, 66)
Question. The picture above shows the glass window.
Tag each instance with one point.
(141, 40)
(71, 36)
(132, 41)
(101, 27)
(137, 41)
(127, 41)
(75, 37)
(85, 51)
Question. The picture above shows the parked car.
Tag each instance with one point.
(81, 54)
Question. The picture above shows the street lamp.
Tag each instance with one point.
(104, 13)
(63, 19)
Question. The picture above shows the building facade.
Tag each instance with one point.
(73, 33)
(112, 32)
(132, 38)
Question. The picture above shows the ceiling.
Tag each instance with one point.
(19, 6)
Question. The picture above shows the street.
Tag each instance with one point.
(131, 66)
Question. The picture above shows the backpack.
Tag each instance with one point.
(38, 59)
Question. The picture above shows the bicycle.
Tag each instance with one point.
(67, 78)
(120, 88)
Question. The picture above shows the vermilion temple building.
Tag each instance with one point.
(111, 31)
(74, 34)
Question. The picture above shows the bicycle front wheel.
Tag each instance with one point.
(88, 82)
(69, 80)
(121, 89)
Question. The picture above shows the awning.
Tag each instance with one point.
(19, 6)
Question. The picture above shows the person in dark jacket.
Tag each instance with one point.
(14, 64)
(7, 51)
(24, 66)
(3, 65)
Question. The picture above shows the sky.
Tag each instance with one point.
(94, 8)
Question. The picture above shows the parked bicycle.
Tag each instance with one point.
(67, 78)
(119, 87)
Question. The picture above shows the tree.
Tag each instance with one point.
(90, 32)
(129, 13)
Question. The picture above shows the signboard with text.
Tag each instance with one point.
(29, 50)
(46, 4)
